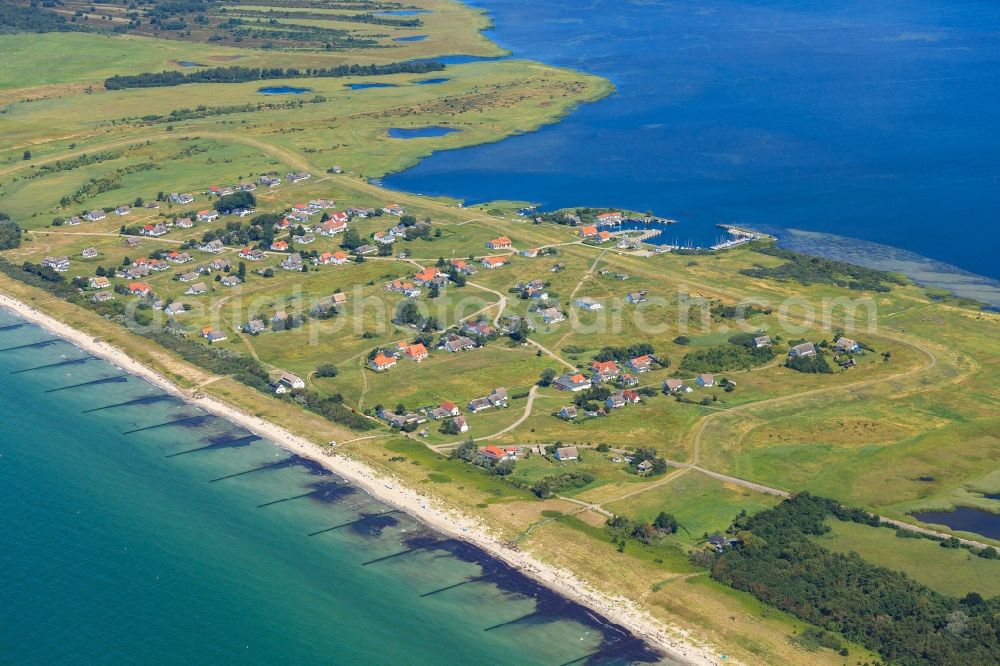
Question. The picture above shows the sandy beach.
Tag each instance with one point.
(672, 640)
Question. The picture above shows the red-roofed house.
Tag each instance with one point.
(493, 262)
(500, 243)
(588, 231)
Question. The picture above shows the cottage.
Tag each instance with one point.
(184, 223)
(339, 298)
(493, 262)
(572, 382)
(332, 227)
(589, 231)
(131, 242)
(565, 453)
(802, 350)
(706, 380)
(394, 209)
(552, 315)
(500, 243)
(462, 267)
(102, 296)
(140, 289)
(220, 264)
(174, 308)
(644, 467)
(478, 405)
(207, 215)
(251, 254)
(498, 398)
(478, 328)
(230, 281)
(123, 210)
(762, 341)
(214, 247)
(641, 364)
(196, 289)
(365, 250)
(188, 277)
(292, 262)
(531, 252)
(672, 385)
(632, 397)
(568, 413)
(459, 343)
(615, 401)
(279, 246)
(291, 381)
(602, 371)
(459, 424)
(96, 215)
(178, 257)
(212, 334)
(60, 264)
(254, 327)
(426, 276)
(298, 177)
(847, 345)
(416, 352)
(99, 282)
(588, 304)
(380, 362)
(74, 221)
(636, 297)
(270, 181)
(183, 198)
(449, 408)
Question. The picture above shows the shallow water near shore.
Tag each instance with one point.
(139, 528)
(867, 120)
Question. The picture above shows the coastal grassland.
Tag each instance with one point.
(951, 571)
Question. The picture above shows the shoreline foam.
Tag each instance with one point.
(671, 640)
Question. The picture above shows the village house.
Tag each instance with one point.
(588, 231)
(493, 262)
(154, 230)
(212, 334)
(74, 221)
(636, 297)
(478, 328)
(174, 308)
(566, 453)
(270, 181)
(568, 413)
(243, 212)
(214, 246)
(131, 242)
(365, 250)
(99, 282)
(254, 327)
(306, 239)
(279, 246)
(644, 467)
(705, 380)
(802, 350)
(196, 289)
(498, 398)
(178, 257)
(394, 209)
(290, 381)
(449, 408)
(631, 396)
(615, 401)
(628, 380)
(500, 243)
(123, 210)
(184, 223)
(457, 343)
(762, 341)
(403, 287)
(140, 289)
(251, 254)
(59, 264)
(478, 405)
(338, 258)
(246, 187)
(207, 215)
(96, 215)
(360, 212)
(183, 198)
(603, 236)
(416, 352)
(572, 382)
(462, 267)
(458, 424)
(675, 386)
(641, 364)
(298, 177)
(426, 277)
(384, 238)
(381, 362)
(292, 262)
(102, 296)
(332, 227)
(230, 281)
(588, 304)
(188, 277)
(552, 315)
(531, 252)
(847, 345)
(602, 371)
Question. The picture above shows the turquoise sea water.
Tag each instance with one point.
(118, 544)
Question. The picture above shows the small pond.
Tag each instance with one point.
(282, 90)
(419, 132)
(403, 12)
(411, 38)
(429, 82)
(189, 63)
(964, 519)
(363, 86)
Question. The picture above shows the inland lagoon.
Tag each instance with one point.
(283, 90)
(419, 132)
(139, 528)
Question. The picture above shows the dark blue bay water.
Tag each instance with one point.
(134, 531)
(869, 120)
